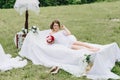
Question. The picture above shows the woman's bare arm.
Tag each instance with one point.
(67, 31)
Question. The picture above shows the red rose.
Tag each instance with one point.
(50, 39)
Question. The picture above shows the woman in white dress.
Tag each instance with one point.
(70, 60)
(61, 34)
(63, 37)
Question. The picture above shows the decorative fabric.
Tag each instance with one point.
(8, 63)
(22, 5)
(19, 38)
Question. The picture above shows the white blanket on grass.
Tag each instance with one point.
(8, 63)
(39, 52)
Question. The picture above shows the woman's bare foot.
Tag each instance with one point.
(54, 70)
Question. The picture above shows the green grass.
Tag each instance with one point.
(92, 23)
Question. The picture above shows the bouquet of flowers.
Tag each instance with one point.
(87, 58)
(88, 61)
(50, 39)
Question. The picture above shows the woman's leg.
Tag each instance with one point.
(81, 45)
(76, 47)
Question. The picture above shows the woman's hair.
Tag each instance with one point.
(55, 21)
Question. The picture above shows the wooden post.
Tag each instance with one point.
(26, 20)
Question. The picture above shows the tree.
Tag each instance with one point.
(7, 3)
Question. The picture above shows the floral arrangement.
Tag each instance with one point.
(20, 36)
(87, 58)
(50, 39)
(34, 29)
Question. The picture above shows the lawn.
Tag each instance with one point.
(95, 23)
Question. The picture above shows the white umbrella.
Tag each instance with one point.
(22, 6)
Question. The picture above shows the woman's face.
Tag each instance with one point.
(56, 27)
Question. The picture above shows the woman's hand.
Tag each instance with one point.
(63, 27)
(67, 32)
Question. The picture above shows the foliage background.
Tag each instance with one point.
(10, 3)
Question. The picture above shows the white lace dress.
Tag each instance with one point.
(63, 39)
